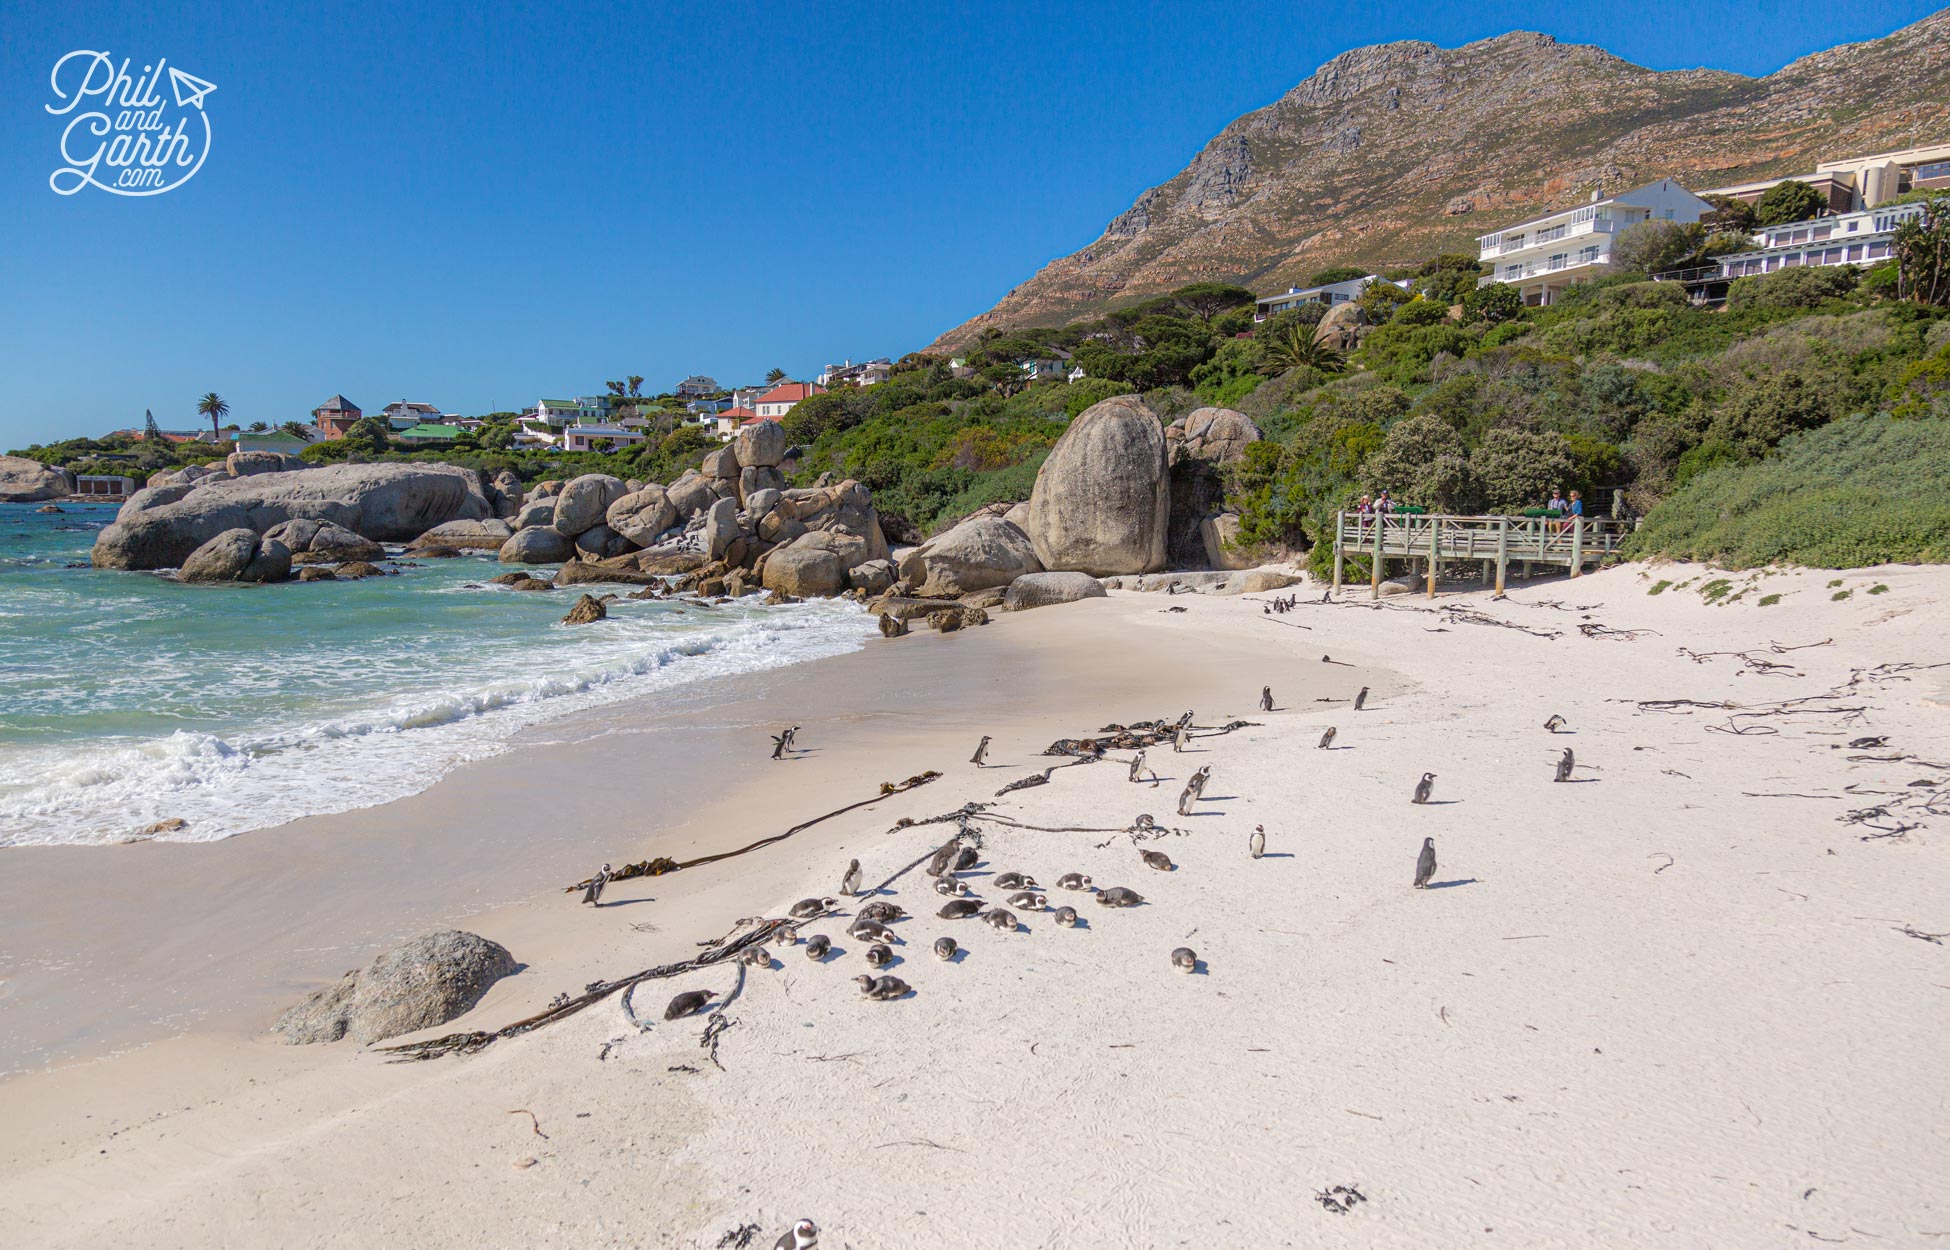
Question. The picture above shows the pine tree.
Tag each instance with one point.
(151, 432)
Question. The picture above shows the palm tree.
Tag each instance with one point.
(1302, 346)
(297, 429)
(775, 375)
(214, 407)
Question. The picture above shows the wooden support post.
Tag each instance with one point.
(1374, 567)
(1502, 552)
(1435, 538)
(1577, 546)
(1340, 527)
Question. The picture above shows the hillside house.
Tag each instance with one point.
(335, 416)
(1865, 238)
(781, 399)
(402, 415)
(1331, 294)
(1543, 255)
(1858, 183)
(697, 386)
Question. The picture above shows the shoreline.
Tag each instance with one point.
(1563, 1042)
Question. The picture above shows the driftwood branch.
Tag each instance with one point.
(660, 866)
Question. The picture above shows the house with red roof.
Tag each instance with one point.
(778, 401)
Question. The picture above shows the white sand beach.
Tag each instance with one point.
(1681, 1000)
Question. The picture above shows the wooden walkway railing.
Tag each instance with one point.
(1572, 542)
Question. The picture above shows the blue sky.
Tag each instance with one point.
(479, 205)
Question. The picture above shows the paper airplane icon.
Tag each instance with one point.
(190, 89)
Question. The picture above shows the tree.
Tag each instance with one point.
(296, 429)
(1339, 273)
(1655, 246)
(1729, 215)
(1520, 468)
(258, 427)
(1787, 201)
(1422, 462)
(1922, 248)
(1496, 303)
(212, 405)
(1302, 347)
(1206, 300)
(636, 383)
(775, 375)
(151, 432)
(1380, 301)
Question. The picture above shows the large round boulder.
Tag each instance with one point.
(641, 516)
(1102, 500)
(1218, 435)
(428, 981)
(721, 528)
(159, 528)
(804, 572)
(690, 495)
(29, 481)
(721, 462)
(600, 542)
(585, 501)
(760, 444)
(249, 463)
(1040, 590)
(975, 555)
(538, 544)
(238, 555)
(535, 512)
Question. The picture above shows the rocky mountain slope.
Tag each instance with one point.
(1393, 153)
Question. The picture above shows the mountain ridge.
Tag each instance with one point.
(1389, 153)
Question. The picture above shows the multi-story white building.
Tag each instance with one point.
(1865, 238)
(778, 401)
(1543, 255)
(402, 415)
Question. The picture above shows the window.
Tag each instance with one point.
(1791, 261)
(1589, 256)
(1878, 250)
(1853, 226)
(1855, 253)
(1822, 232)
(1559, 259)
(1941, 169)
(1513, 271)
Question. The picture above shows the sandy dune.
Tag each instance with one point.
(1671, 1003)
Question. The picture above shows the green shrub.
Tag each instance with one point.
(1809, 287)
(1659, 587)
(1863, 490)
(1768, 601)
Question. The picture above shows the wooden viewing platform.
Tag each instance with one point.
(1495, 540)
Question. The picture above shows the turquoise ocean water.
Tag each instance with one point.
(126, 698)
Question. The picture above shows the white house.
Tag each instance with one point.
(697, 386)
(585, 436)
(866, 373)
(1543, 255)
(1865, 238)
(402, 415)
(781, 399)
(1053, 366)
(558, 413)
(1330, 294)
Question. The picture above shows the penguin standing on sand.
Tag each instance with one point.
(1326, 739)
(981, 751)
(1257, 843)
(1424, 788)
(801, 1236)
(850, 882)
(1137, 765)
(1266, 698)
(1564, 765)
(1360, 698)
(594, 894)
(1425, 864)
